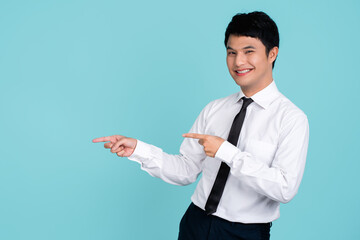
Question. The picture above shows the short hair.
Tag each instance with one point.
(257, 25)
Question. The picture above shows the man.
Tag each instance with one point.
(250, 146)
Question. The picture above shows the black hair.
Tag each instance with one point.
(257, 25)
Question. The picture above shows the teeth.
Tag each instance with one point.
(244, 71)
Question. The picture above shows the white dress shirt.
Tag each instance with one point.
(267, 164)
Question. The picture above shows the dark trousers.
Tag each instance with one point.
(197, 225)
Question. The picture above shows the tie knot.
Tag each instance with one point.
(246, 102)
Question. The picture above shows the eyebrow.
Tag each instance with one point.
(247, 47)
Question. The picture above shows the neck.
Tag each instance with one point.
(250, 91)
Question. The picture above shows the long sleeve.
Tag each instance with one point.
(281, 179)
(181, 169)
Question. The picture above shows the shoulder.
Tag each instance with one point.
(290, 113)
(221, 102)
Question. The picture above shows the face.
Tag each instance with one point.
(248, 63)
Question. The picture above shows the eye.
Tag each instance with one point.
(249, 51)
(231, 53)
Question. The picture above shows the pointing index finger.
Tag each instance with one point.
(194, 135)
(102, 139)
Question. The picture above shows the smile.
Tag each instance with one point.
(242, 72)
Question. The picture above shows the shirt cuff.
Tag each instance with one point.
(226, 152)
(141, 152)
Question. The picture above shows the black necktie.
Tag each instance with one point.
(219, 184)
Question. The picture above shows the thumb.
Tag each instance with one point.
(126, 142)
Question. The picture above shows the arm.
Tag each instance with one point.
(279, 181)
(181, 169)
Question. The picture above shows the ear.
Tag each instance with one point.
(273, 54)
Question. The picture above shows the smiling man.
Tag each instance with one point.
(250, 146)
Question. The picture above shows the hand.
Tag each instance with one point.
(211, 143)
(121, 145)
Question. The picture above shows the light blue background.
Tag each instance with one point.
(71, 71)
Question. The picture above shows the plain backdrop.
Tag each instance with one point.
(71, 71)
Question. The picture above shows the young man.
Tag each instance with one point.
(250, 146)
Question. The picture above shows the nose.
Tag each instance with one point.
(240, 59)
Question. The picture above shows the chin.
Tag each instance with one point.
(241, 84)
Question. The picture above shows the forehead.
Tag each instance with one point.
(239, 42)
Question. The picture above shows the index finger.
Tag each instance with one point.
(103, 139)
(194, 135)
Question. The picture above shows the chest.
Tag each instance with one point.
(259, 133)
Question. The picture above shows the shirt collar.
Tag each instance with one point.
(264, 97)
